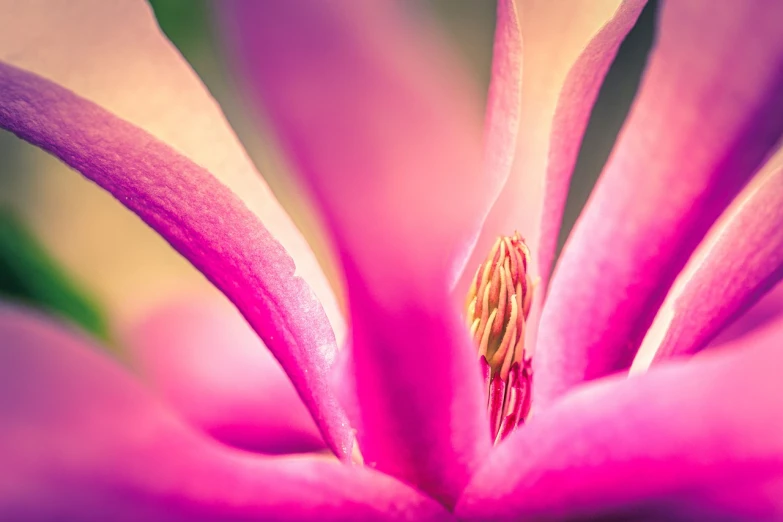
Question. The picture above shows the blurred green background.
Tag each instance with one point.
(31, 274)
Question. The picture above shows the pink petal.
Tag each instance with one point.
(211, 367)
(550, 59)
(199, 216)
(386, 132)
(81, 440)
(501, 126)
(767, 310)
(739, 261)
(699, 440)
(114, 54)
(708, 112)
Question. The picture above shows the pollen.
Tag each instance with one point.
(498, 305)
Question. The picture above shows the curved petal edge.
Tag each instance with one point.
(739, 261)
(199, 216)
(694, 137)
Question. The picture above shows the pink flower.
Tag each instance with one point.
(386, 135)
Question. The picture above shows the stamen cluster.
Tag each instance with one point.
(497, 308)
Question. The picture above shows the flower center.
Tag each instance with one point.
(497, 307)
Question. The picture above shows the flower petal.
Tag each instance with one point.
(386, 132)
(501, 125)
(739, 261)
(695, 440)
(81, 440)
(114, 54)
(537, 118)
(767, 310)
(205, 360)
(199, 216)
(708, 112)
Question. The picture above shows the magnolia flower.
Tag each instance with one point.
(384, 132)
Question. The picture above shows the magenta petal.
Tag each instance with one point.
(768, 310)
(81, 440)
(199, 216)
(418, 417)
(505, 95)
(207, 362)
(740, 260)
(708, 112)
(696, 440)
(387, 134)
(549, 61)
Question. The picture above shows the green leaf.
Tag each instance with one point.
(28, 274)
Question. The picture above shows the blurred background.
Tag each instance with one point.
(69, 248)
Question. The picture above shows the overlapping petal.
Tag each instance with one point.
(81, 440)
(114, 54)
(207, 362)
(549, 62)
(739, 261)
(199, 216)
(501, 124)
(708, 113)
(695, 440)
(386, 131)
(767, 310)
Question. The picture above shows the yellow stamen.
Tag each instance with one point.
(498, 304)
